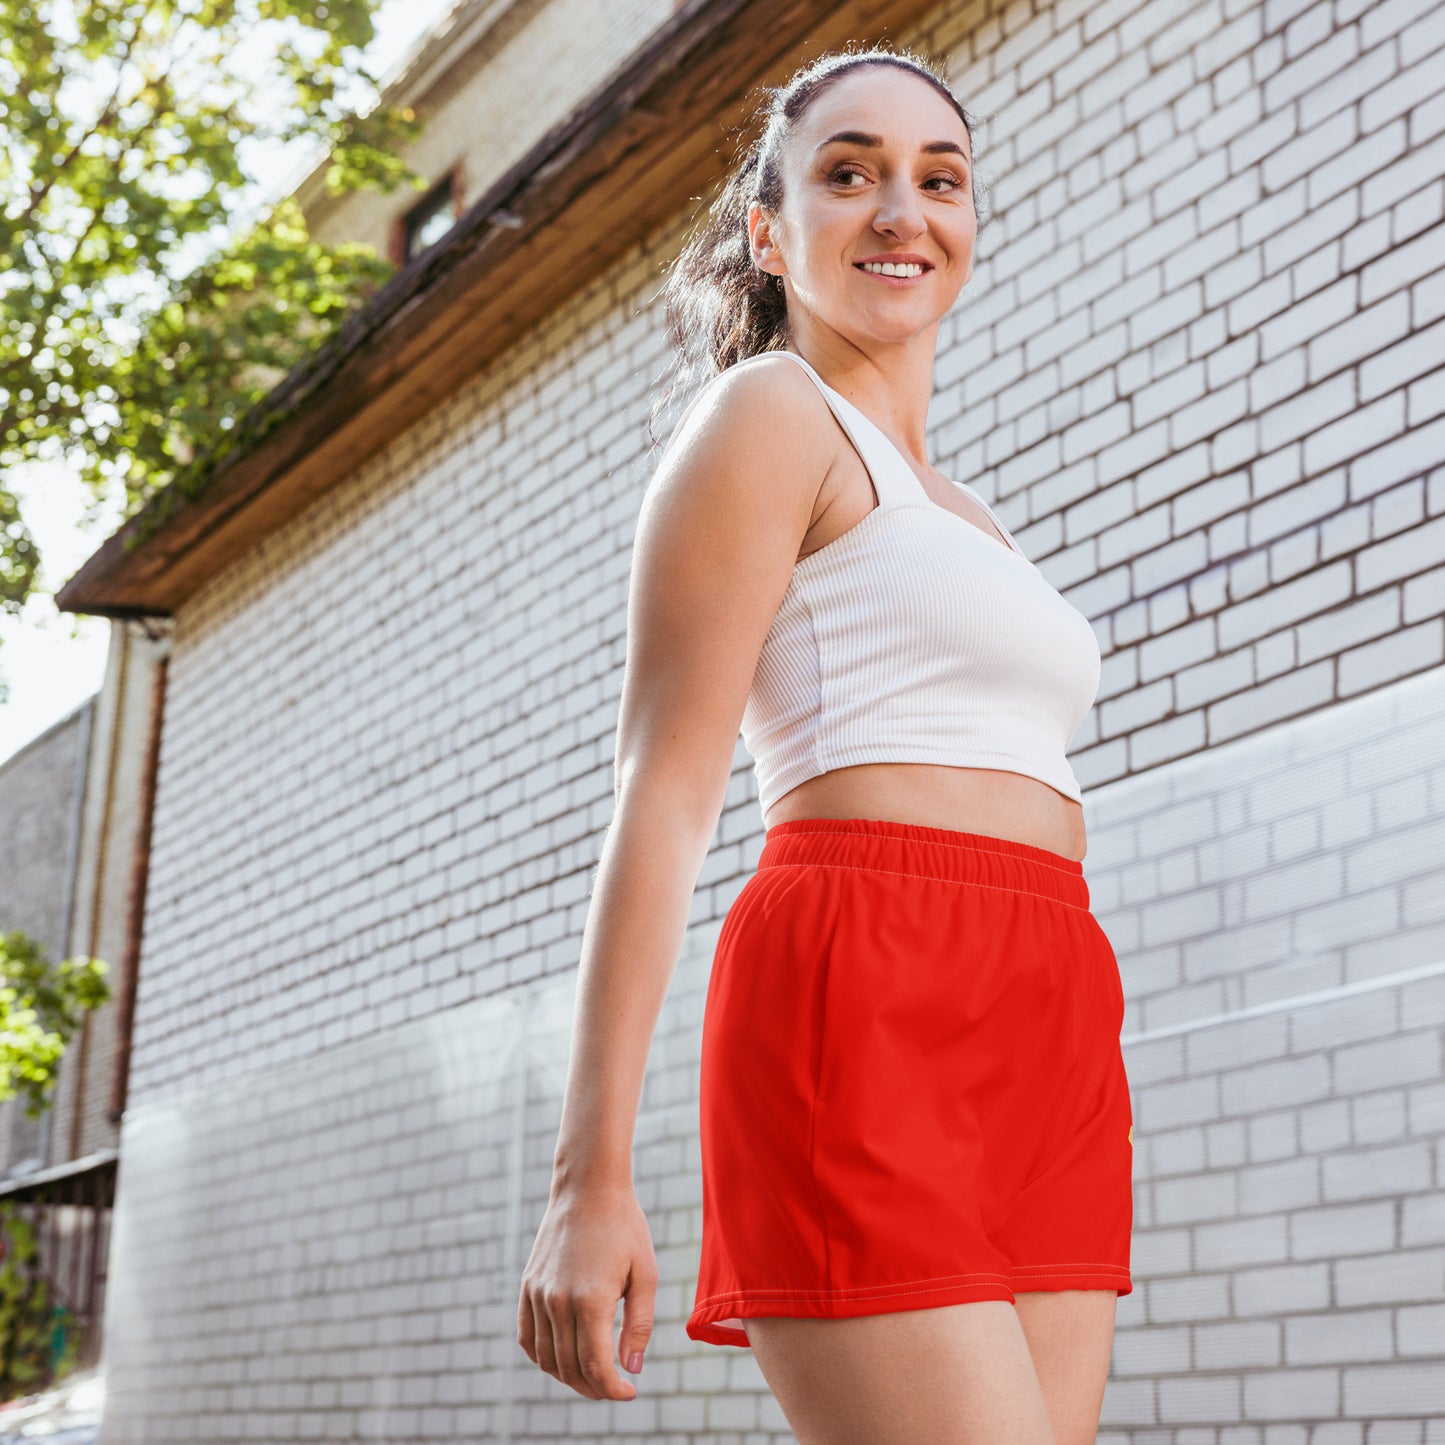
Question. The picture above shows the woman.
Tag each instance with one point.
(916, 1129)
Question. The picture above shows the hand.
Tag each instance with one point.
(592, 1249)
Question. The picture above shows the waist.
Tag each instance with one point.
(917, 850)
(989, 801)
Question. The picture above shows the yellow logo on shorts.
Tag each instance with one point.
(1131, 1134)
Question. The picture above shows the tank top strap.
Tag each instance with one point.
(894, 480)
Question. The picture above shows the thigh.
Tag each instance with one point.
(1070, 1335)
(956, 1375)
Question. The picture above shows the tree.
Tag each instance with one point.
(143, 309)
(41, 1005)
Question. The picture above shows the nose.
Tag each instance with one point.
(900, 210)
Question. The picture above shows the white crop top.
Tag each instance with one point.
(915, 637)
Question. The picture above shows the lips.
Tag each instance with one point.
(901, 260)
(896, 281)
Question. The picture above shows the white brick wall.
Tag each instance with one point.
(1285, 1056)
(1195, 371)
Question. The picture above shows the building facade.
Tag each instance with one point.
(1198, 372)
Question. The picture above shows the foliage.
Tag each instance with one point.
(30, 1314)
(40, 1008)
(19, 558)
(144, 313)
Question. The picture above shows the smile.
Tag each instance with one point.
(898, 274)
(893, 268)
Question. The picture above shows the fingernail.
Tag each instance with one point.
(634, 1362)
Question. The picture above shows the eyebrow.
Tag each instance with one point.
(863, 138)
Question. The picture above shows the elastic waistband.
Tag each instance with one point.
(913, 849)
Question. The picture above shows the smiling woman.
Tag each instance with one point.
(914, 1117)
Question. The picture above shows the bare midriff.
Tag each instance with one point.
(990, 801)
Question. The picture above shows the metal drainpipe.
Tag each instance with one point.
(97, 906)
(136, 893)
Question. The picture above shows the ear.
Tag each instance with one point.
(766, 254)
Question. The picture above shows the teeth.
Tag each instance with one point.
(890, 268)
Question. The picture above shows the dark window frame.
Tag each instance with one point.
(446, 194)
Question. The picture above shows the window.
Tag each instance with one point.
(429, 220)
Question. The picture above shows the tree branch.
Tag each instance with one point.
(110, 110)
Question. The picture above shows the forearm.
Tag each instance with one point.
(651, 858)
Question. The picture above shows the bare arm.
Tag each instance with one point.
(719, 531)
(720, 528)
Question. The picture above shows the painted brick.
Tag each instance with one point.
(1414, 1056)
(1296, 1394)
(1343, 1229)
(1282, 1289)
(1420, 1329)
(1197, 1297)
(1211, 1398)
(1201, 382)
(1422, 1220)
(1365, 1174)
(1260, 1240)
(1395, 1389)
(1237, 1345)
(1288, 1184)
(1345, 1336)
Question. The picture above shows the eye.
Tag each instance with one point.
(837, 172)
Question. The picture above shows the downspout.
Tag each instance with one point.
(139, 877)
(97, 899)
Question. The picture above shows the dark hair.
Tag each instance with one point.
(720, 308)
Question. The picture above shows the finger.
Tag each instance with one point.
(545, 1337)
(594, 1352)
(564, 1335)
(639, 1309)
(526, 1325)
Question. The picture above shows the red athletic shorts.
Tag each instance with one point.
(912, 1089)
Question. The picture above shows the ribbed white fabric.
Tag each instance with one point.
(917, 638)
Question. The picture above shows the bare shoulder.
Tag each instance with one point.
(718, 537)
(762, 417)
